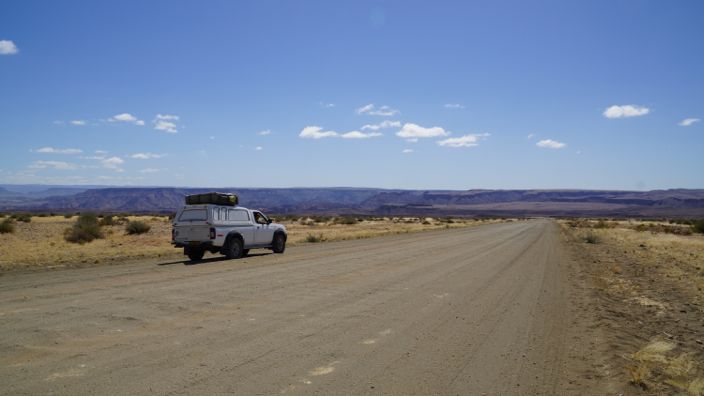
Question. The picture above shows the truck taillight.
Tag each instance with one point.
(212, 233)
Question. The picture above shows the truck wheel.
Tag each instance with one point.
(233, 249)
(245, 252)
(279, 243)
(195, 254)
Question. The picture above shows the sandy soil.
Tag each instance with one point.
(648, 295)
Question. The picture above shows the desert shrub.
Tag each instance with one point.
(698, 226)
(107, 221)
(23, 217)
(425, 222)
(68, 215)
(592, 238)
(312, 238)
(601, 224)
(85, 230)
(137, 227)
(2, 215)
(6, 227)
(347, 220)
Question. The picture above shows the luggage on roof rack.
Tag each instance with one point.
(215, 198)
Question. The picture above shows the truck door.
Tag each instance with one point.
(263, 232)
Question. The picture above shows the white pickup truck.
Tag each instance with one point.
(230, 230)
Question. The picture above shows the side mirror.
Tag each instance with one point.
(268, 221)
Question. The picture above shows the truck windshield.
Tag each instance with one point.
(193, 214)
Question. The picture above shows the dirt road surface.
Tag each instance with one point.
(469, 311)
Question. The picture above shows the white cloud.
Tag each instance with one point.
(145, 156)
(327, 105)
(126, 117)
(408, 151)
(384, 111)
(259, 148)
(58, 122)
(8, 47)
(166, 123)
(453, 106)
(315, 132)
(470, 140)
(78, 122)
(360, 135)
(265, 132)
(382, 125)
(52, 150)
(113, 163)
(530, 136)
(59, 165)
(100, 152)
(551, 144)
(625, 111)
(688, 121)
(149, 170)
(412, 140)
(413, 131)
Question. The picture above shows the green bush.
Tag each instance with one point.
(85, 230)
(137, 227)
(23, 217)
(698, 226)
(6, 227)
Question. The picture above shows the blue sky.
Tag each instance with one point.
(490, 94)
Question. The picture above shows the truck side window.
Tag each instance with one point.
(237, 215)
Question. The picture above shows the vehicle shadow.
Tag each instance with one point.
(208, 260)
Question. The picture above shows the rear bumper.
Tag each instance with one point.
(193, 244)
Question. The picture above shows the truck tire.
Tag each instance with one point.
(234, 248)
(195, 254)
(245, 252)
(278, 245)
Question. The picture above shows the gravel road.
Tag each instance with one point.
(453, 312)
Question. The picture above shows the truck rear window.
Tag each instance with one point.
(193, 214)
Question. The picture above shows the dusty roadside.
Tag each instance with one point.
(644, 293)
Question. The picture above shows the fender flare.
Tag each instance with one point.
(279, 232)
(233, 234)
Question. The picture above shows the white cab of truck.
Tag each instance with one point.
(229, 230)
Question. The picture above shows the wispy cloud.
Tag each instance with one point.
(166, 123)
(58, 165)
(370, 109)
(469, 140)
(78, 122)
(414, 131)
(8, 47)
(145, 156)
(126, 117)
(360, 135)
(315, 132)
(382, 125)
(408, 151)
(530, 136)
(149, 170)
(327, 105)
(688, 121)
(265, 132)
(258, 148)
(624, 111)
(550, 144)
(454, 106)
(53, 150)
